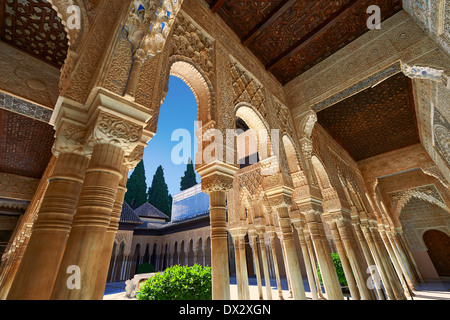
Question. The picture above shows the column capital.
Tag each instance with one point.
(217, 176)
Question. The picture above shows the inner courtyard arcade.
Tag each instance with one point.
(352, 143)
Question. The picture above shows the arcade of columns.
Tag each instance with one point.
(110, 94)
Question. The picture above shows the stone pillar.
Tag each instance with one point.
(354, 256)
(397, 292)
(403, 259)
(313, 263)
(344, 261)
(367, 255)
(252, 235)
(110, 236)
(37, 271)
(89, 226)
(217, 180)
(412, 261)
(305, 253)
(287, 240)
(13, 254)
(113, 136)
(395, 258)
(271, 236)
(237, 261)
(260, 229)
(326, 266)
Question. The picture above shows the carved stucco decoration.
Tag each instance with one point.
(247, 88)
(427, 193)
(441, 135)
(112, 129)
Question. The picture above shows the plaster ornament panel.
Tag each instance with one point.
(190, 41)
(78, 74)
(112, 129)
(427, 193)
(217, 182)
(247, 89)
(70, 137)
(441, 135)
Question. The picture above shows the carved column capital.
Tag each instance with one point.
(109, 128)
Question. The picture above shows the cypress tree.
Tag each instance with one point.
(158, 193)
(189, 179)
(137, 187)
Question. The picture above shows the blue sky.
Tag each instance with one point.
(179, 111)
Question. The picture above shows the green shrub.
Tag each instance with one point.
(178, 283)
(339, 270)
(145, 268)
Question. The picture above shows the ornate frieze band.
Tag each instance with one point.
(25, 108)
(360, 86)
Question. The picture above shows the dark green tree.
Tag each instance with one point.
(158, 193)
(188, 180)
(137, 187)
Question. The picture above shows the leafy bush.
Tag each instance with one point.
(178, 283)
(145, 268)
(339, 270)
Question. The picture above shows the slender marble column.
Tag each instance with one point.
(407, 249)
(307, 261)
(254, 244)
(37, 271)
(262, 247)
(329, 276)
(293, 267)
(90, 223)
(110, 236)
(271, 236)
(367, 255)
(344, 261)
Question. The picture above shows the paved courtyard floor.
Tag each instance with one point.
(431, 290)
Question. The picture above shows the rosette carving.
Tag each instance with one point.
(115, 130)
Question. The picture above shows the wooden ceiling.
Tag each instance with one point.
(25, 145)
(34, 27)
(374, 121)
(292, 36)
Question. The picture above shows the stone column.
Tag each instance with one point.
(237, 261)
(252, 235)
(344, 261)
(217, 180)
(287, 240)
(36, 275)
(384, 259)
(112, 138)
(110, 236)
(326, 266)
(405, 246)
(306, 258)
(354, 256)
(13, 254)
(367, 255)
(396, 260)
(403, 257)
(314, 263)
(260, 229)
(271, 236)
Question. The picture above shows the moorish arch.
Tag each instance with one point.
(260, 129)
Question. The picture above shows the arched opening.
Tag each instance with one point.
(438, 245)
(428, 249)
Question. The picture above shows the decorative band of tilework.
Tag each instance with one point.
(25, 108)
(362, 85)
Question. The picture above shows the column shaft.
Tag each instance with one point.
(219, 247)
(293, 267)
(85, 244)
(39, 266)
